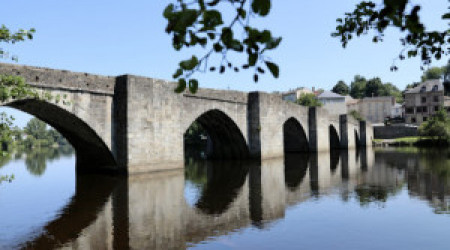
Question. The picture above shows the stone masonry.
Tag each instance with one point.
(134, 124)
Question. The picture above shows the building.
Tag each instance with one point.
(293, 95)
(374, 109)
(397, 111)
(332, 102)
(424, 100)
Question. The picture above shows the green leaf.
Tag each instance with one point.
(273, 43)
(252, 59)
(273, 68)
(178, 73)
(189, 64)
(168, 11)
(181, 86)
(242, 13)
(261, 7)
(213, 3)
(193, 86)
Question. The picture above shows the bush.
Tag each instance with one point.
(437, 126)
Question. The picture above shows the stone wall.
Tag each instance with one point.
(392, 132)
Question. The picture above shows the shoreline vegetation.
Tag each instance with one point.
(35, 143)
(411, 141)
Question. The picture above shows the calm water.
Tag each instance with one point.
(382, 199)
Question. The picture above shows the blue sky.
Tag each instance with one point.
(127, 37)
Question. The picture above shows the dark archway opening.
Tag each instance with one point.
(294, 137)
(334, 138)
(92, 154)
(215, 136)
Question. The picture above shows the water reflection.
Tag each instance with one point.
(151, 211)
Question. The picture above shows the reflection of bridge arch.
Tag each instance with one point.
(74, 217)
(294, 136)
(334, 137)
(357, 139)
(91, 150)
(226, 139)
(225, 181)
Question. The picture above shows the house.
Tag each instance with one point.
(332, 102)
(294, 94)
(424, 100)
(375, 109)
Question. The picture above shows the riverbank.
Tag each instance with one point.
(418, 141)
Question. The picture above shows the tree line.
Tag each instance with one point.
(35, 135)
(362, 87)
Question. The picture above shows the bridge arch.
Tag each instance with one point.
(294, 136)
(225, 139)
(92, 154)
(334, 137)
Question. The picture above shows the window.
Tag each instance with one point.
(413, 120)
(425, 119)
(409, 110)
(424, 109)
(418, 109)
(435, 88)
(436, 98)
(436, 108)
(424, 99)
(423, 89)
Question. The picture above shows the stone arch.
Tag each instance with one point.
(92, 154)
(225, 139)
(334, 137)
(294, 136)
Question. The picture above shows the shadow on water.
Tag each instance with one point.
(295, 168)
(91, 194)
(220, 182)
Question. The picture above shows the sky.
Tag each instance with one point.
(111, 37)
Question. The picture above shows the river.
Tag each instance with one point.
(392, 198)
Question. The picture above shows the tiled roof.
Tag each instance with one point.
(329, 94)
(428, 86)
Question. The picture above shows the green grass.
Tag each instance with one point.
(407, 139)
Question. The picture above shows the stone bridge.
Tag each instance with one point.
(135, 124)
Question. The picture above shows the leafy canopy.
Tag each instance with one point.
(201, 23)
(341, 88)
(402, 15)
(437, 125)
(6, 36)
(308, 100)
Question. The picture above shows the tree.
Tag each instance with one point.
(437, 126)
(374, 87)
(341, 88)
(36, 128)
(200, 23)
(357, 87)
(399, 14)
(433, 73)
(309, 100)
